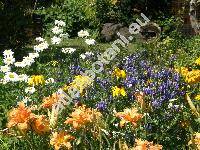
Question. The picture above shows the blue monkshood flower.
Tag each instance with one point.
(103, 83)
(148, 91)
(156, 103)
(76, 69)
(102, 106)
(159, 84)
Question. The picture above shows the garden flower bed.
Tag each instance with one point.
(145, 98)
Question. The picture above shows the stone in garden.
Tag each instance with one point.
(150, 31)
(109, 31)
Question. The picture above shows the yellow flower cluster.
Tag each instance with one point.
(119, 73)
(197, 97)
(117, 91)
(80, 83)
(36, 80)
(198, 61)
(191, 77)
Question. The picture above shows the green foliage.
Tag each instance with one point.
(16, 23)
(77, 14)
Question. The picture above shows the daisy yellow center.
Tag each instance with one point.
(11, 76)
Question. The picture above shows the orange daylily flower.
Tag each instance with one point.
(49, 101)
(19, 117)
(82, 116)
(139, 96)
(196, 140)
(129, 115)
(41, 124)
(145, 145)
(61, 139)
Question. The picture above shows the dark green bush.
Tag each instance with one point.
(16, 25)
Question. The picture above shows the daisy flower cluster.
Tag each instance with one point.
(10, 76)
(57, 30)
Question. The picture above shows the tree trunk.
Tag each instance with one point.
(195, 15)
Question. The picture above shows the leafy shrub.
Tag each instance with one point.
(16, 25)
(77, 14)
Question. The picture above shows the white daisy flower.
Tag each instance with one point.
(39, 39)
(11, 76)
(23, 77)
(55, 40)
(68, 50)
(33, 55)
(26, 99)
(50, 80)
(45, 45)
(40, 47)
(60, 23)
(57, 30)
(83, 34)
(5, 69)
(9, 60)
(83, 56)
(90, 41)
(28, 61)
(30, 90)
(2, 81)
(8, 53)
(20, 64)
(89, 54)
(66, 35)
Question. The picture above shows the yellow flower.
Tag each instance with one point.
(197, 97)
(82, 116)
(80, 83)
(129, 115)
(191, 77)
(36, 80)
(117, 91)
(114, 2)
(167, 41)
(54, 63)
(61, 139)
(183, 71)
(119, 73)
(198, 61)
